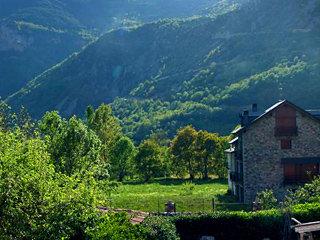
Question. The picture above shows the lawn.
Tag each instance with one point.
(195, 196)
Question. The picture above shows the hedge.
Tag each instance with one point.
(243, 225)
(230, 225)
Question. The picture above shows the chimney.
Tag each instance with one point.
(245, 118)
(254, 107)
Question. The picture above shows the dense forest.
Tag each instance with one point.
(36, 34)
(200, 71)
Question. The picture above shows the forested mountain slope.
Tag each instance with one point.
(170, 73)
(36, 34)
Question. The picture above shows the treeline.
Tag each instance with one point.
(97, 143)
(55, 172)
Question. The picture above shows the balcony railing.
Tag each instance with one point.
(285, 131)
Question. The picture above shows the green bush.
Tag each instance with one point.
(160, 228)
(243, 225)
(267, 200)
(115, 227)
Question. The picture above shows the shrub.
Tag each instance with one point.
(266, 200)
(115, 227)
(243, 225)
(160, 228)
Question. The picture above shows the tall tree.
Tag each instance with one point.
(184, 160)
(104, 123)
(121, 157)
(72, 145)
(148, 160)
(208, 150)
(106, 126)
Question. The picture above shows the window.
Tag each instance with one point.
(300, 173)
(286, 124)
(286, 144)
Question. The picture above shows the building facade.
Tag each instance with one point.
(277, 149)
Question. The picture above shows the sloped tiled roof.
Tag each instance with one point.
(314, 114)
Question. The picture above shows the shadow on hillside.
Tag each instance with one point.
(175, 181)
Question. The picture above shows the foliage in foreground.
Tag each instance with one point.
(244, 225)
(36, 201)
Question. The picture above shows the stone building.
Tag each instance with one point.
(276, 149)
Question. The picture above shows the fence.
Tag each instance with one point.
(183, 204)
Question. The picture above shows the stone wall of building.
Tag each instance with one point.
(262, 153)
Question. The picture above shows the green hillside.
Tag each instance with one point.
(199, 71)
(37, 34)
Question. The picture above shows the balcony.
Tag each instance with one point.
(285, 131)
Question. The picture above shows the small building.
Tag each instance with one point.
(276, 149)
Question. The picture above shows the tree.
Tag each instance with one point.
(121, 157)
(198, 153)
(6, 116)
(182, 150)
(205, 147)
(24, 121)
(107, 128)
(220, 164)
(148, 160)
(9, 119)
(104, 124)
(73, 147)
(37, 202)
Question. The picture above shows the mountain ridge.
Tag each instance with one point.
(200, 70)
(37, 34)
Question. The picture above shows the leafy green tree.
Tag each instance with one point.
(6, 117)
(36, 202)
(107, 128)
(198, 153)
(220, 163)
(122, 155)
(148, 160)
(9, 119)
(73, 147)
(24, 169)
(184, 160)
(205, 147)
(24, 121)
(104, 124)
(51, 124)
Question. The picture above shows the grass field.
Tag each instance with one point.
(195, 196)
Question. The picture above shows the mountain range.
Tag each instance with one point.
(37, 34)
(162, 75)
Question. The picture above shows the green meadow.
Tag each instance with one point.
(189, 196)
